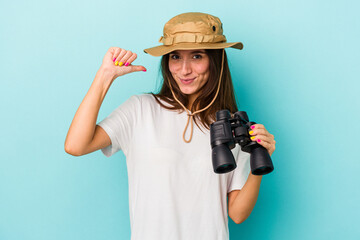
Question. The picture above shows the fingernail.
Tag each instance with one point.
(252, 127)
(251, 132)
(120, 64)
(259, 140)
(114, 59)
(116, 63)
(144, 70)
(252, 138)
(126, 64)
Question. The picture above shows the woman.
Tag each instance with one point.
(173, 190)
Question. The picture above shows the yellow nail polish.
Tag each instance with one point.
(116, 63)
(252, 138)
(120, 64)
(251, 132)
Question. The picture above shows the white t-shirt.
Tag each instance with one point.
(174, 193)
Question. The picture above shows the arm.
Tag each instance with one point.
(242, 202)
(82, 128)
(84, 136)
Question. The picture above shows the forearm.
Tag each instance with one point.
(246, 199)
(82, 128)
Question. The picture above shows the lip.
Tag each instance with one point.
(187, 80)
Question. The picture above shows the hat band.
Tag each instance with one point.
(192, 38)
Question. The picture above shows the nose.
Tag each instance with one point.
(186, 68)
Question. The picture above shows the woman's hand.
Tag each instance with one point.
(118, 61)
(259, 134)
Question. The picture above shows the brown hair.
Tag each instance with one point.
(225, 99)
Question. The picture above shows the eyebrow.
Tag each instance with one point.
(195, 51)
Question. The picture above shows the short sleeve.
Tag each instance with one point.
(120, 124)
(239, 176)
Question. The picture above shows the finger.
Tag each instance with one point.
(262, 138)
(125, 58)
(120, 56)
(257, 126)
(269, 147)
(116, 52)
(136, 68)
(260, 129)
(267, 143)
(111, 50)
(256, 131)
(131, 58)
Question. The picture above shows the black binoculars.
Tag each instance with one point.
(225, 132)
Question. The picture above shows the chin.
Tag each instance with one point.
(187, 91)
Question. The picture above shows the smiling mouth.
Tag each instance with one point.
(187, 79)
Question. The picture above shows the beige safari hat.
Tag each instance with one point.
(193, 30)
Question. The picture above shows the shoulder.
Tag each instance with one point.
(144, 98)
(144, 101)
(140, 98)
(151, 99)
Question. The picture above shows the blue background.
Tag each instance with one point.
(298, 74)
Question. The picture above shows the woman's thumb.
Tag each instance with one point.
(137, 68)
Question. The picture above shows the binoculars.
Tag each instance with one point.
(225, 132)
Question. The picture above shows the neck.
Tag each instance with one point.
(191, 101)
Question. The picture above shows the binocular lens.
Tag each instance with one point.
(262, 171)
(260, 161)
(225, 168)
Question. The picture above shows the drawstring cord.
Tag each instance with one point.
(191, 115)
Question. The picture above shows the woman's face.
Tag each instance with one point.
(190, 69)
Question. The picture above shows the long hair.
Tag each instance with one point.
(224, 100)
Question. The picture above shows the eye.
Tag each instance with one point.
(197, 56)
(174, 56)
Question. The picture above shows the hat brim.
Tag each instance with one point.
(163, 49)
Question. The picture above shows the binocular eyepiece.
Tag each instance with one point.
(225, 132)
